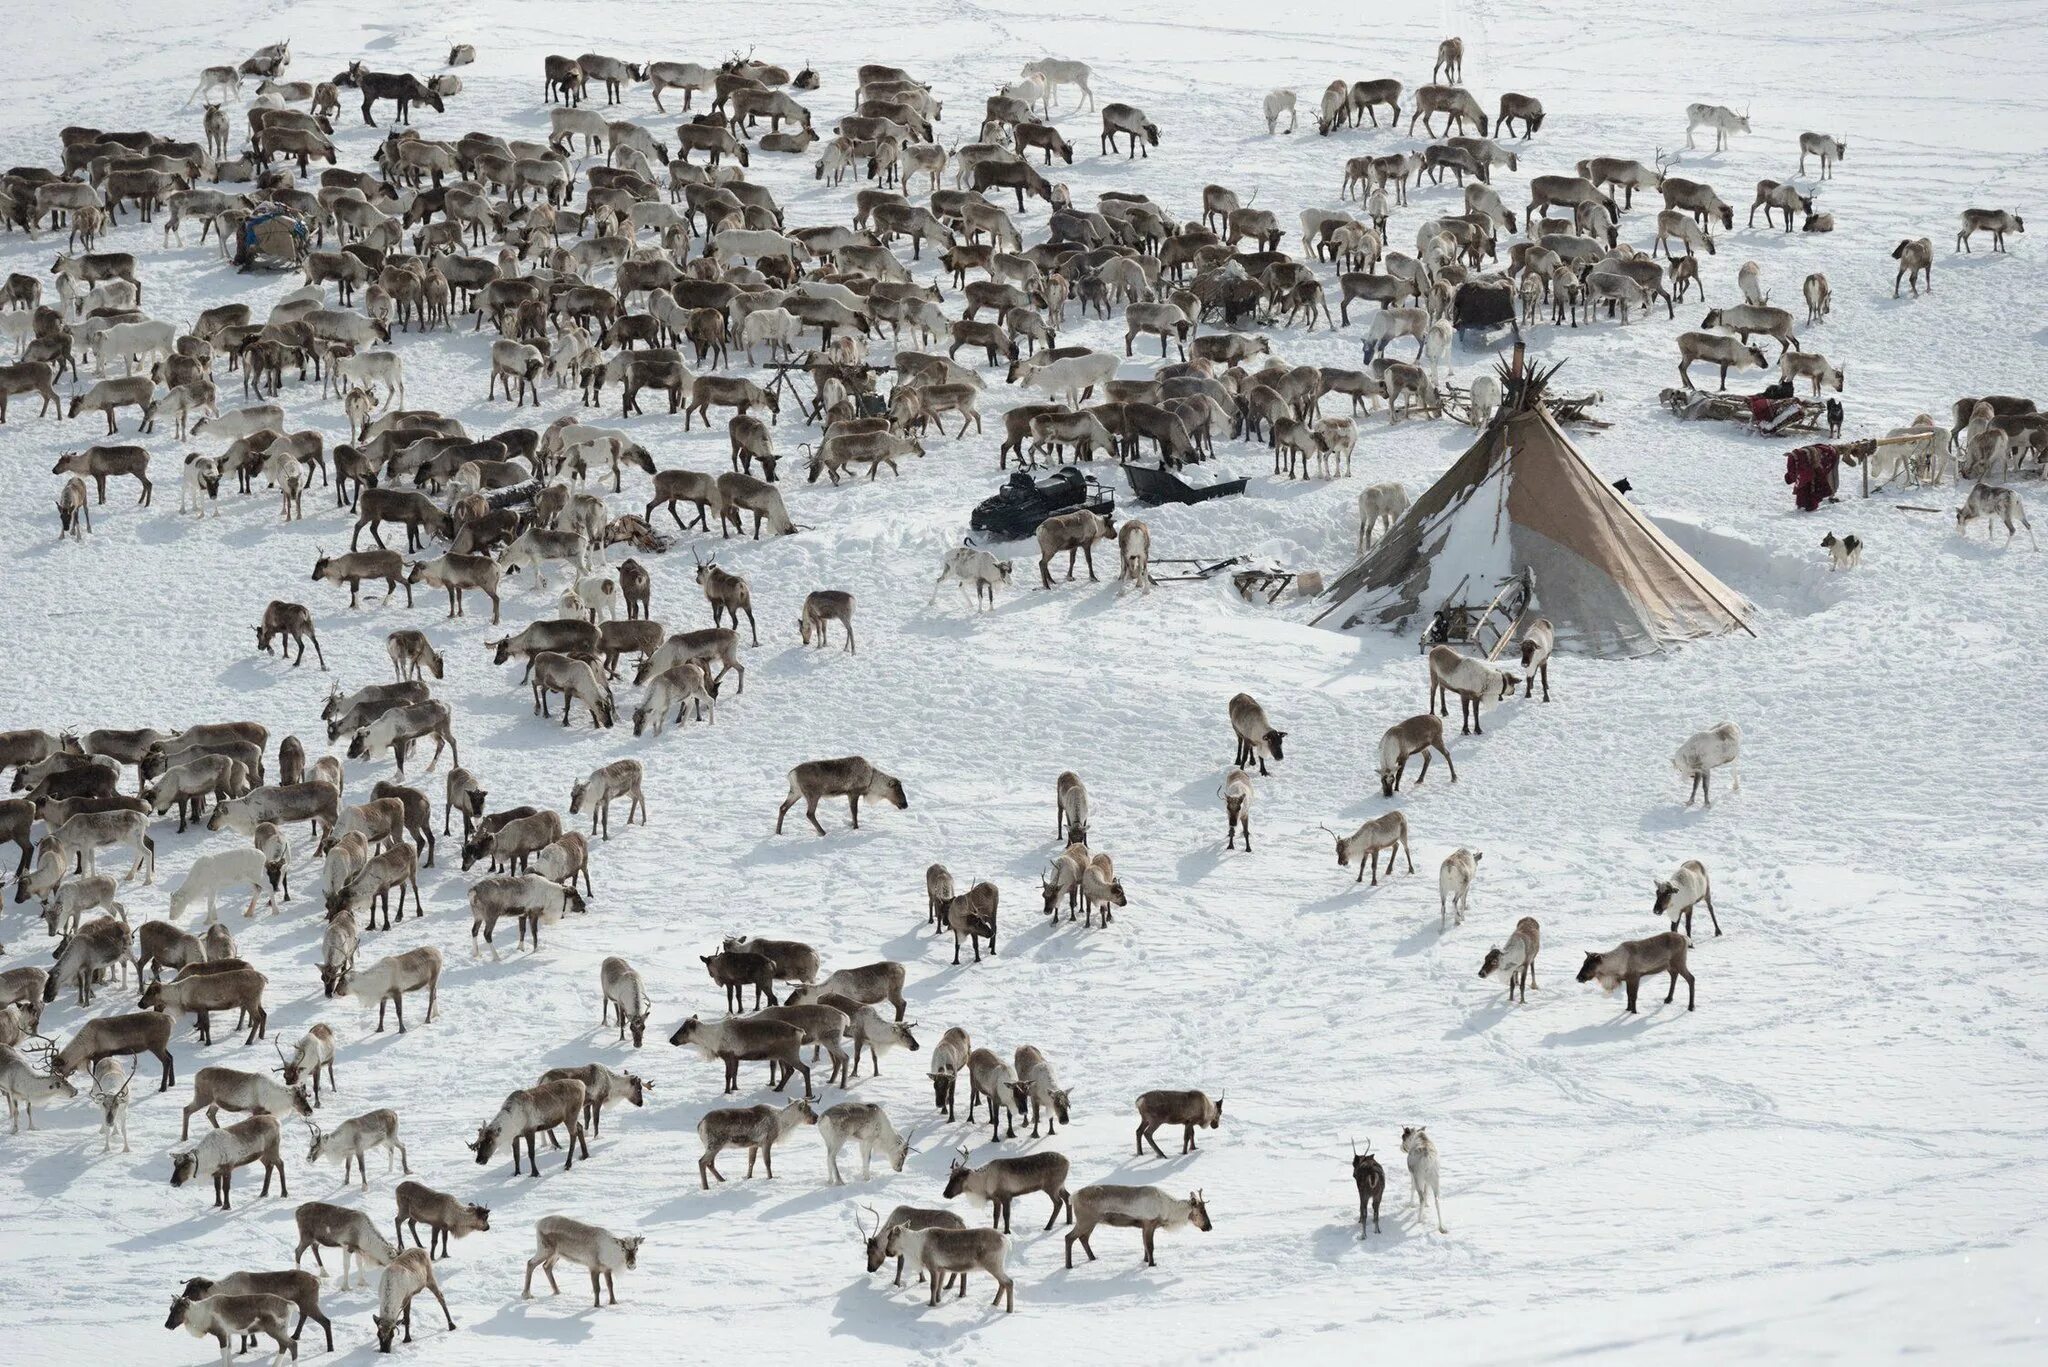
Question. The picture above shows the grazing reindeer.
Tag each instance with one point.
(1454, 883)
(1420, 734)
(1256, 738)
(1633, 960)
(851, 778)
(526, 1113)
(1387, 831)
(822, 608)
(756, 1127)
(218, 1089)
(1517, 960)
(1186, 1109)
(988, 1076)
(948, 1253)
(405, 1276)
(1237, 803)
(300, 1289)
(23, 1087)
(254, 1140)
(605, 785)
(388, 980)
(866, 1125)
(1146, 1209)
(912, 1218)
(1371, 1180)
(1994, 504)
(1683, 890)
(622, 991)
(1819, 298)
(355, 1137)
(558, 1238)
(1001, 1181)
(322, 1225)
(948, 1061)
(1048, 1098)
(1423, 1172)
(313, 1052)
(237, 1317)
(443, 1215)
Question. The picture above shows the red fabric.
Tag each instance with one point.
(1812, 471)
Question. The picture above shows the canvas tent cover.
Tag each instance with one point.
(1523, 498)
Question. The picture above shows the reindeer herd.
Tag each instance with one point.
(491, 513)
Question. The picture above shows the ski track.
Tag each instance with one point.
(1836, 1156)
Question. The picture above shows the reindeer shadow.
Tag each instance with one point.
(797, 837)
(518, 1319)
(1199, 863)
(1661, 818)
(1619, 1026)
(1421, 938)
(1334, 1243)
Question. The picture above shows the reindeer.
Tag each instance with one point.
(1997, 222)
(1388, 831)
(1721, 119)
(1633, 960)
(526, 1113)
(254, 1140)
(606, 784)
(117, 1036)
(1828, 148)
(321, 1224)
(443, 1215)
(1146, 1209)
(1420, 734)
(355, 1137)
(314, 1051)
(1256, 737)
(1000, 1182)
(1186, 1109)
(217, 1089)
(23, 1087)
(602, 1253)
(237, 1317)
(852, 777)
(1915, 256)
(734, 1041)
(388, 980)
(404, 1277)
(295, 1288)
(756, 1127)
(1516, 962)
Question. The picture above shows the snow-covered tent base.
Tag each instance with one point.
(1523, 498)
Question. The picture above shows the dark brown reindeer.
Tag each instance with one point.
(402, 88)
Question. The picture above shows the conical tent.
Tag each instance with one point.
(1523, 498)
